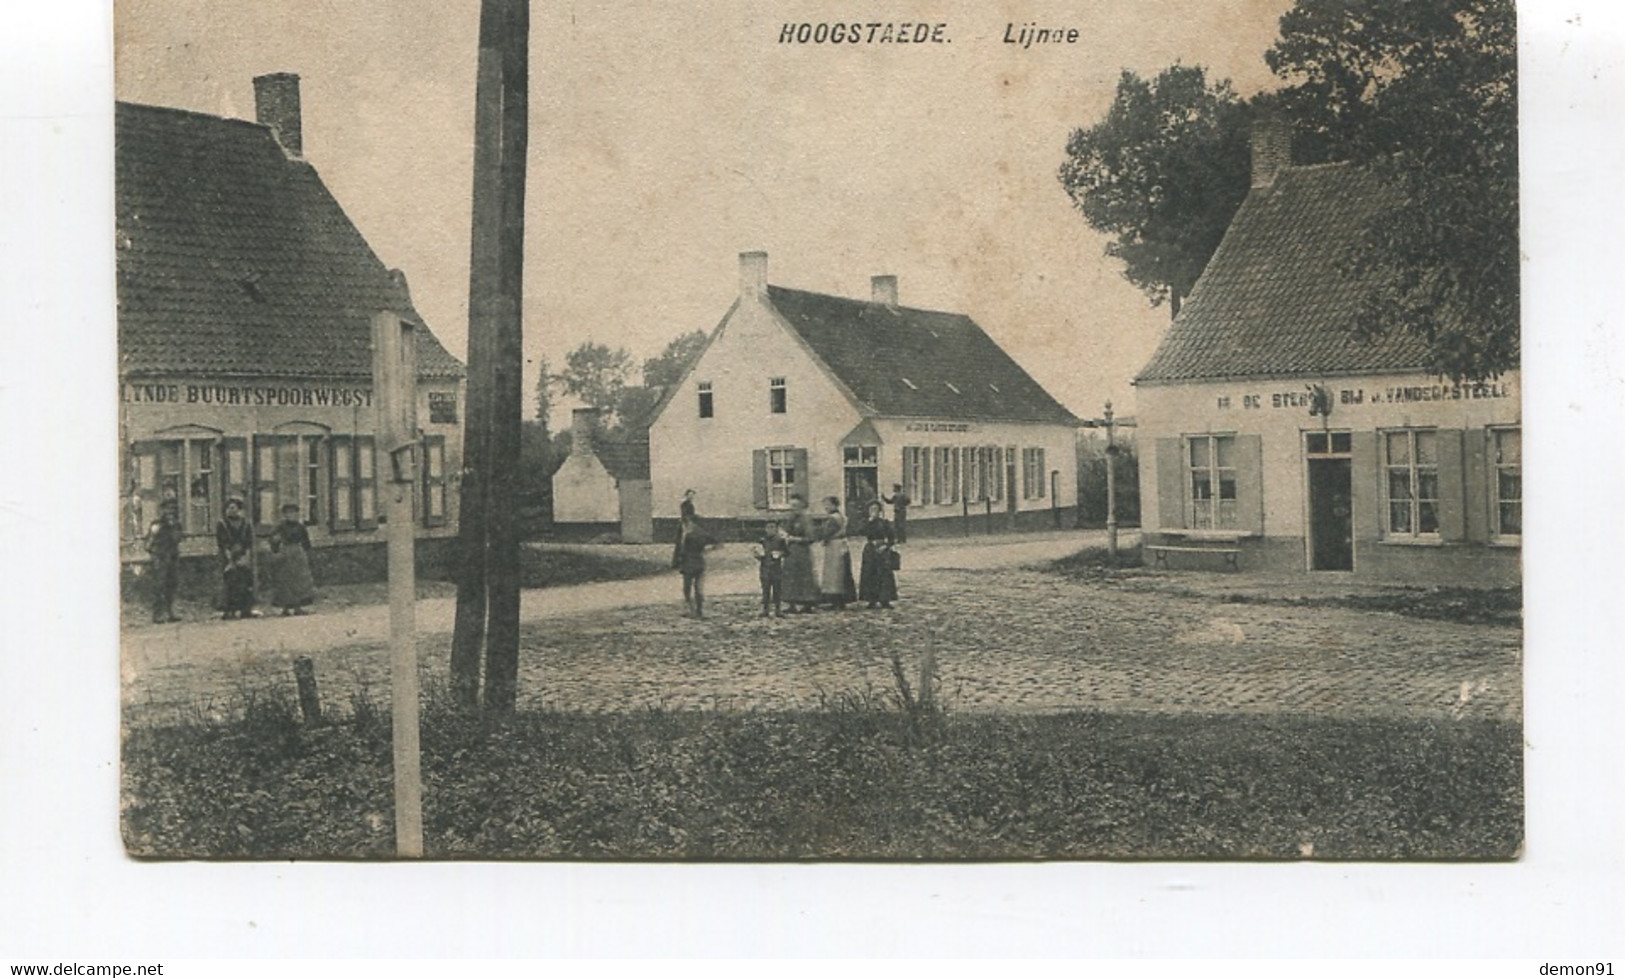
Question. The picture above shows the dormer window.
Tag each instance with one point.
(707, 407)
(908, 383)
(777, 400)
(951, 387)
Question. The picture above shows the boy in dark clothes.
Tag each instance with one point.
(770, 553)
(693, 544)
(164, 544)
(899, 501)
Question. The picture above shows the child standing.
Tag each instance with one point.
(292, 586)
(692, 546)
(770, 552)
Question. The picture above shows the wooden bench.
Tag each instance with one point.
(1224, 543)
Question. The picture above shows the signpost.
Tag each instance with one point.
(394, 379)
(1109, 422)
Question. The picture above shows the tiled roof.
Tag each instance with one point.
(625, 458)
(1278, 298)
(914, 363)
(235, 260)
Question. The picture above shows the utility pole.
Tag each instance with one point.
(488, 580)
(394, 380)
(1109, 421)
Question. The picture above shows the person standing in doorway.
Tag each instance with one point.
(164, 544)
(899, 501)
(234, 535)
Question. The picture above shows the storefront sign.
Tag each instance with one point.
(1355, 396)
(247, 395)
(948, 426)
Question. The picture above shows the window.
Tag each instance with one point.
(1411, 458)
(945, 484)
(914, 474)
(193, 471)
(1033, 474)
(781, 477)
(442, 407)
(776, 396)
(366, 482)
(434, 480)
(1211, 476)
(1328, 442)
(1508, 447)
(706, 405)
(353, 502)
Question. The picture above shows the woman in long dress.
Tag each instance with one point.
(878, 582)
(292, 586)
(836, 581)
(800, 587)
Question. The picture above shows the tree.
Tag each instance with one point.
(1163, 172)
(667, 369)
(596, 374)
(1425, 93)
(544, 393)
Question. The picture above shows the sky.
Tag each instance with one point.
(665, 138)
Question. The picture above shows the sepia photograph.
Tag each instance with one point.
(819, 432)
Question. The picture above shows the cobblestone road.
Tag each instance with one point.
(1008, 637)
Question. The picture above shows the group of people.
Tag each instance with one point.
(805, 563)
(293, 587)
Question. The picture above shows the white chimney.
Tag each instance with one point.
(276, 106)
(884, 289)
(583, 430)
(753, 274)
(1272, 148)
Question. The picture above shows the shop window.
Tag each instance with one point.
(707, 405)
(1211, 477)
(945, 476)
(434, 480)
(1508, 446)
(189, 470)
(1411, 461)
(776, 398)
(442, 407)
(1033, 473)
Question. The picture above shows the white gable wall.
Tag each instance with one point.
(585, 492)
(713, 455)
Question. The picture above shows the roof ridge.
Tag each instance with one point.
(172, 110)
(870, 302)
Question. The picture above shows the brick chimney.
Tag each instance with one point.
(583, 430)
(884, 289)
(753, 274)
(276, 106)
(1272, 148)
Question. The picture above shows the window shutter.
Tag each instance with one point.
(1452, 487)
(1365, 498)
(434, 480)
(1171, 486)
(758, 478)
(234, 468)
(288, 471)
(1250, 483)
(803, 476)
(342, 464)
(262, 508)
(144, 483)
(366, 482)
(1478, 475)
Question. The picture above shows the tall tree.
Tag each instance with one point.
(667, 368)
(544, 393)
(1425, 92)
(1163, 173)
(596, 373)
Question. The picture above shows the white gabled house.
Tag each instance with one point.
(801, 392)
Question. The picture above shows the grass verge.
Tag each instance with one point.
(861, 782)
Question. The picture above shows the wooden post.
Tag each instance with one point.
(394, 381)
(1111, 488)
(304, 674)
